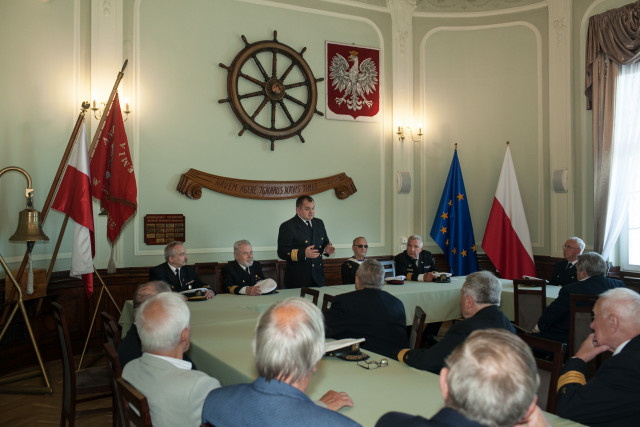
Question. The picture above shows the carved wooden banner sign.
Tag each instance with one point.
(191, 184)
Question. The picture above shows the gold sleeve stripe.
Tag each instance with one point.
(232, 290)
(402, 353)
(294, 255)
(571, 377)
(410, 276)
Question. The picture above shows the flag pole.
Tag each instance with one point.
(107, 109)
(92, 150)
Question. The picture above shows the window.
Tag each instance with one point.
(626, 139)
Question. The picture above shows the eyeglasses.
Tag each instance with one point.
(361, 246)
(372, 364)
(569, 247)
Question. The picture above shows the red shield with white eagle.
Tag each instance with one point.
(353, 87)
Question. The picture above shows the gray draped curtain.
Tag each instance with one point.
(613, 39)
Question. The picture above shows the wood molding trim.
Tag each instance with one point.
(191, 184)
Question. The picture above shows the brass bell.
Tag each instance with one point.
(29, 228)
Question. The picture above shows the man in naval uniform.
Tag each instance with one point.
(349, 267)
(240, 276)
(302, 241)
(565, 271)
(415, 263)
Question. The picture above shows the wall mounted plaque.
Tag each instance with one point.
(163, 229)
(191, 184)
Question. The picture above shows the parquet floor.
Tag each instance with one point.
(19, 410)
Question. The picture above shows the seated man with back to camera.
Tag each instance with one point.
(415, 263)
(175, 392)
(369, 313)
(555, 320)
(611, 397)
(131, 348)
(287, 344)
(491, 379)
(350, 266)
(479, 305)
(565, 272)
(175, 271)
(241, 275)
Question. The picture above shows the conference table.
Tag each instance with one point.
(222, 329)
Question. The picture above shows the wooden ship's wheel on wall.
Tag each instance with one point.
(286, 87)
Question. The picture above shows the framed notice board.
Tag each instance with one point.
(163, 229)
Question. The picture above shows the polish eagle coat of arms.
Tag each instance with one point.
(354, 86)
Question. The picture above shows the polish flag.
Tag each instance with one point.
(506, 239)
(74, 199)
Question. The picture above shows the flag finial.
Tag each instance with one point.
(455, 146)
(507, 143)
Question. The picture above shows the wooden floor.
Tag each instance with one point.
(44, 410)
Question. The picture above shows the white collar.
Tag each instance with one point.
(178, 363)
(354, 259)
(620, 347)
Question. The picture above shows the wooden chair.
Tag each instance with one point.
(528, 303)
(94, 383)
(389, 268)
(116, 372)
(580, 316)
(209, 273)
(327, 300)
(548, 370)
(308, 291)
(112, 332)
(417, 329)
(135, 404)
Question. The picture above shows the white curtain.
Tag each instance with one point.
(625, 162)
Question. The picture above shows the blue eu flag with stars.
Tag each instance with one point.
(452, 229)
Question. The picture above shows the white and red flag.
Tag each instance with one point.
(74, 199)
(506, 239)
(113, 178)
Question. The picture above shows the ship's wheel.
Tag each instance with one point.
(271, 90)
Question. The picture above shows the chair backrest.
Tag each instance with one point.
(417, 328)
(135, 404)
(548, 370)
(529, 301)
(326, 302)
(209, 273)
(270, 270)
(580, 311)
(112, 332)
(68, 365)
(389, 268)
(308, 291)
(116, 372)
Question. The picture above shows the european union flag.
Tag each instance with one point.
(452, 229)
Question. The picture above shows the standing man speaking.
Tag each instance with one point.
(302, 241)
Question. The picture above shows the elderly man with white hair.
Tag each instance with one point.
(565, 272)
(489, 380)
(479, 305)
(611, 396)
(287, 345)
(175, 392)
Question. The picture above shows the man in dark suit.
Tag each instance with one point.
(369, 313)
(176, 272)
(302, 241)
(350, 266)
(415, 263)
(479, 301)
(554, 322)
(240, 276)
(490, 379)
(565, 271)
(611, 396)
(287, 345)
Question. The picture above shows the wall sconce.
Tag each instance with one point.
(99, 110)
(404, 131)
